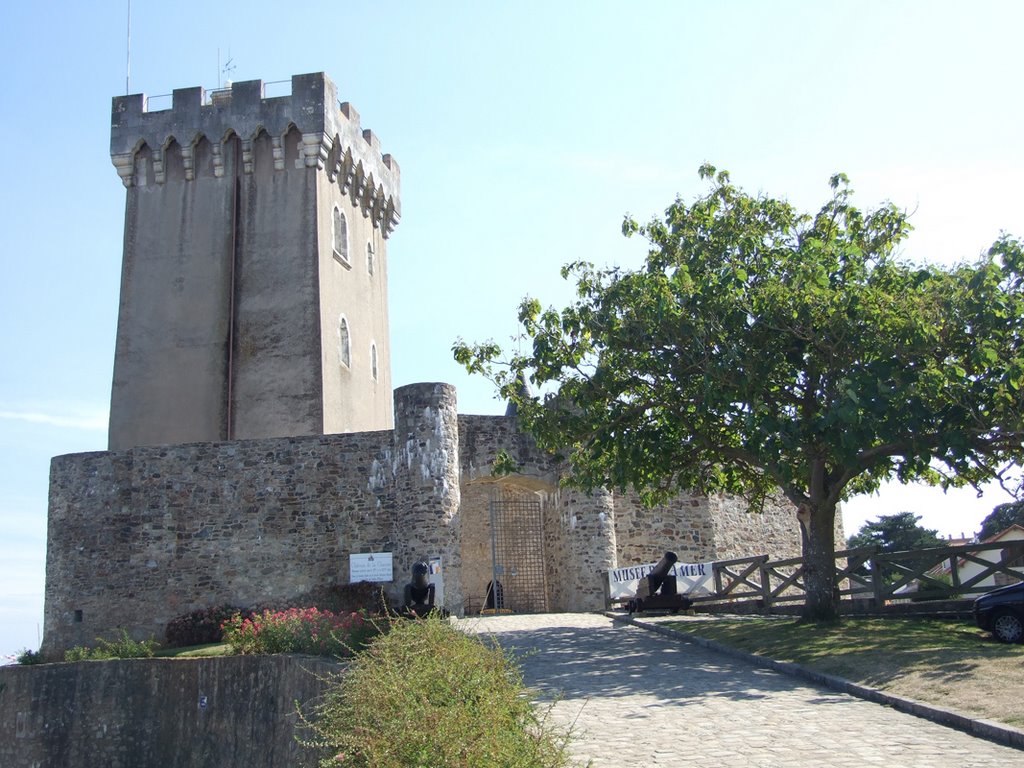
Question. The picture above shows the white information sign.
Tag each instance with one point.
(691, 578)
(436, 577)
(373, 566)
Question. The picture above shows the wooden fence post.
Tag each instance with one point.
(876, 579)
(766, 583)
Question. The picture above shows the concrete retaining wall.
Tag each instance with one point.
(188, 713)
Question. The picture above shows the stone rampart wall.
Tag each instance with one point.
(141, 536)
(775, 531)
(682, 525)
(701, 529)
(481, 438)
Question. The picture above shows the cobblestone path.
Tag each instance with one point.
(640, 699)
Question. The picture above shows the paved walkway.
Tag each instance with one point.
(640, 699)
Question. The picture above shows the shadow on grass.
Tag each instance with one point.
(870, 651)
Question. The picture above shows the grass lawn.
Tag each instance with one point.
(195, 651)
(946, 663)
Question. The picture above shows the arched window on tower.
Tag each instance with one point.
(340, 227)
(344, 343)
(369, 258)
(373, 361)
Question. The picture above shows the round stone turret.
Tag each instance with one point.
(427, 493)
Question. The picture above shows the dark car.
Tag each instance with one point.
(1001, 612)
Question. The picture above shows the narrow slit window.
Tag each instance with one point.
(373, 361)
(344, 343)
(369, 258)
(340, 237)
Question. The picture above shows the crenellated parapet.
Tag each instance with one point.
(326, 134)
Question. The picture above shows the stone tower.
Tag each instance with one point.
(254, 281)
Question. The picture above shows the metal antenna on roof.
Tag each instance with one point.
(229, 67)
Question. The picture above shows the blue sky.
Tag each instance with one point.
(525, 131)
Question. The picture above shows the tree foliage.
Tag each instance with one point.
(762, 349)
(901, 532)
(1001, 518)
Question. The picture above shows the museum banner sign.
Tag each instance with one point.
(691, 578)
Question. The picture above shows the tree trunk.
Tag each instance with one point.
(822, 593)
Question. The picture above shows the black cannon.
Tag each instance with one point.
(418, 599)
(661, 590)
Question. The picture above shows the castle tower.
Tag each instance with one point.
(254, 281)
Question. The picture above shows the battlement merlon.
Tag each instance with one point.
(332, 138)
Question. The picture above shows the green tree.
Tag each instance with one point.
(900, 533)
(1001, 518)
(760, 349)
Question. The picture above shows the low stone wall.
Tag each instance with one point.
(188, 713)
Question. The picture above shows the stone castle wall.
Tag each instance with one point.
(683, 525)
(140, 536)
(735, 529)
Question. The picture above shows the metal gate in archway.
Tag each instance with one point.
(517, 556)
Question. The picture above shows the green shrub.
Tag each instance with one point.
(425, 694)
(124, 647)
(27, 657)
(299, 630)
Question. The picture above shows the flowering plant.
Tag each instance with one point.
(299, 630)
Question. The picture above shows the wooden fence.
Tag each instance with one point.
(937, 573)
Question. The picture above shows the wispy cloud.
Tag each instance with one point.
(95, 421)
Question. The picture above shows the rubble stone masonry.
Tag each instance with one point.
(139, 536)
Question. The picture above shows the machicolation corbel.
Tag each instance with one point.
(332, 139)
